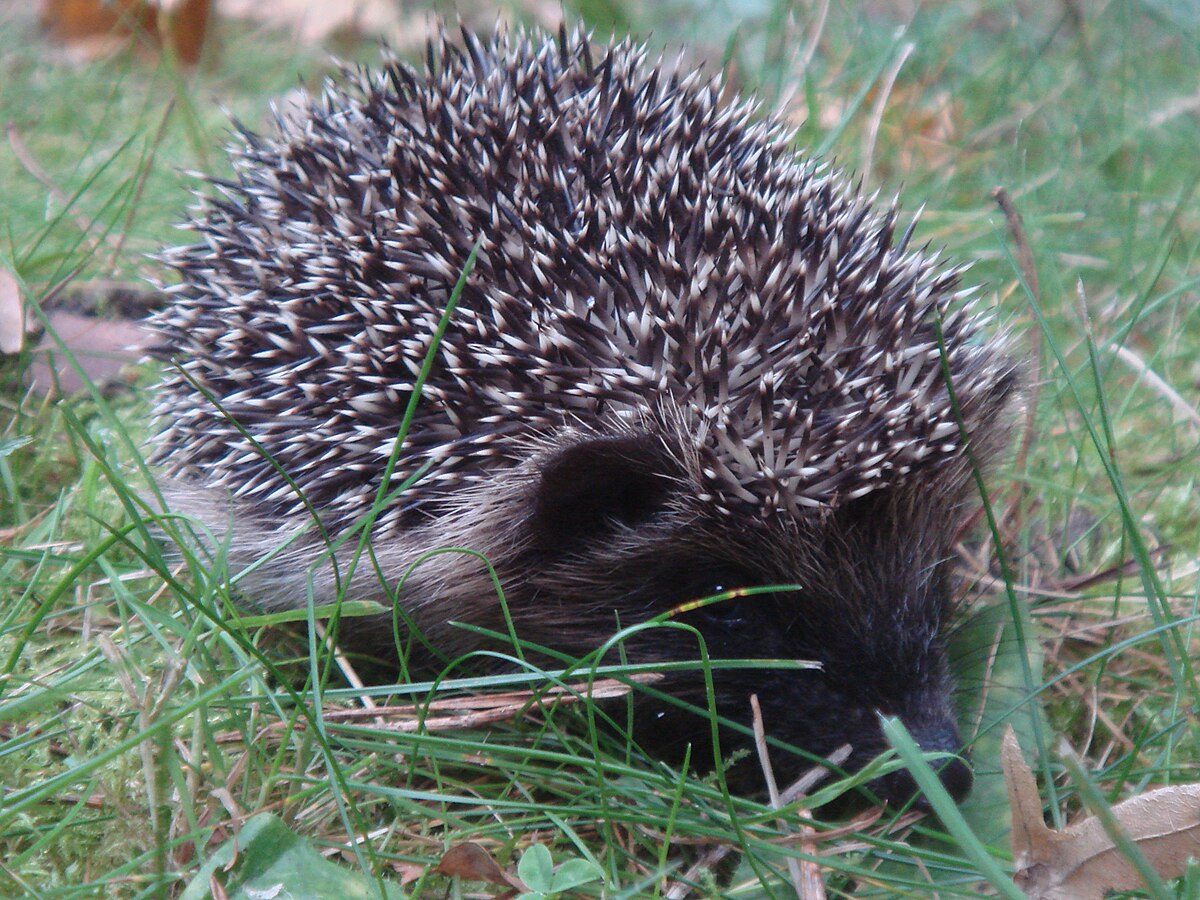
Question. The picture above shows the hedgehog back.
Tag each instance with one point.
(645, 247)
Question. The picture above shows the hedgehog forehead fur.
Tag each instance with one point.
(651, 256)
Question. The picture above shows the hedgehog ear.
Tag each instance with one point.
(586, 488)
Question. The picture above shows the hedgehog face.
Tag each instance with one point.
(620, 534)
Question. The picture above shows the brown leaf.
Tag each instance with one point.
(91, 29)
(471, 862)
(102, 347)
(12, 314)
(1032, 839)
(186, 27)
(476, 711)
(1082, 862)
(78, 20)
(408, 872)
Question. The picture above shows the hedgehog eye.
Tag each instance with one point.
(728, 613)
(719, 582)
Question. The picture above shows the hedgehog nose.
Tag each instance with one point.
(955, 775)
(900, 787)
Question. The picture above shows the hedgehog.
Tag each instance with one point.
(593, 319)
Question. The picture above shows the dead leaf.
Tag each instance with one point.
(471, 862)
(1082, 862)
(407, 872)
(102, 347)
(185, 28)
(475, 711)
(91, 29)
(12, 314)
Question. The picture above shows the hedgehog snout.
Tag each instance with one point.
(925, 709)
(956, 776)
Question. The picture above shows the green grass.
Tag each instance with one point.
(140, 726)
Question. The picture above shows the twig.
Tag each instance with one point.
(813, 776)
(710, 858)
(1178, 107)
(806, 837)
(1155, 381)
(806, 874)
(456, 713)
(347, 669)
